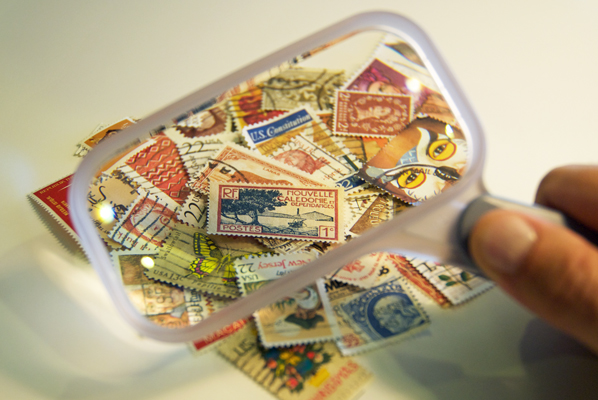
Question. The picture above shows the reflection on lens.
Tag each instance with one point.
(147, 262)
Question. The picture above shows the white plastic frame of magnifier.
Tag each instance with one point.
(428, 230)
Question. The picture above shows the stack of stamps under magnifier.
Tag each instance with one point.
(261, 181)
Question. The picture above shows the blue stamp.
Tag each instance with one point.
(385, 311)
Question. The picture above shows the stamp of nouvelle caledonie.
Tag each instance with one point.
(302, 317)
(288, 212)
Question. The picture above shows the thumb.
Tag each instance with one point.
(547, 268)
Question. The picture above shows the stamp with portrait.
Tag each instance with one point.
(426, 158)
(378, 77)
(276, 211)
(237, 164)
(300, 318)
(301, 372)
(378, 316)
(371, 114)
(301, 86)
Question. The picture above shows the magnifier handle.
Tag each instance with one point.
(480, 206)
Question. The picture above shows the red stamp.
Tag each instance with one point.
(371, 114)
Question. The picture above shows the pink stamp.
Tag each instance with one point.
(371, 114)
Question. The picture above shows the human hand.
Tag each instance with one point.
(548, 268)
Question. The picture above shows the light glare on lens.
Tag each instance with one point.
(413, 85)
(106, 213)
(449, 131)
(147, 262)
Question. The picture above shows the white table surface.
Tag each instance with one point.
(528, 68)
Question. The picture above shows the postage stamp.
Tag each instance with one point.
(50, 204)
(194, 211)
(377, 77)
(163, 304)
(237, 164)
(301, 86)
(108, 200)
(301, 153)
(269, 136)
(424, 159)
(371, 114)
(285, 212)
(378, 211)
(436, 107)
(207, 343)
(146, 224)
(206, 122)
(161, 165)
(300, 318)
(364, 272)
(457, 285)
(246, 109)
(192, 258)
(302, 372)
(408, 271)
(398, 54)
(363, 148)
(283, 246)
(100, 134)
(378, 316)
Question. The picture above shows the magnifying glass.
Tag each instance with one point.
(178, 207)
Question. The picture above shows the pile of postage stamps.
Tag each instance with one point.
(259, 182)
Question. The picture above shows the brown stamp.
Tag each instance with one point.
(371, 114)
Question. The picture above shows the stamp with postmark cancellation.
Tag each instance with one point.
(378, 77)
(147, 222)
(101, 133)
(341, 171)
(426, 158)
(301, 372)
(376, 212)
(192, 258)
(457, 285)
(195, 153)
(364, 272)
(371, 114)
(302, 317)
(237, 164)
(246, 109)
(362, 147)
(207, 122)
(283, 246)
(108, 199)
(287, 212)
(161, 166)
(301, 86)
(163, 304)
(269, 136)
(377, 316)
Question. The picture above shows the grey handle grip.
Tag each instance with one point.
(485, 203)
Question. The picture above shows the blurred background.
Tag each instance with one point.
(528, 69)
